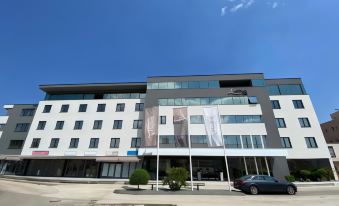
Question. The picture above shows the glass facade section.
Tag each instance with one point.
(208, 101)
(234, 119)
(92, 96)
(232, 141)
(184, 85)
(286, 89)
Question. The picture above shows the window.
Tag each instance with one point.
(246, 141)
(139, 107)
(22, 127)
(101, 107)
(332, 153)
(162, 119)
(74, 143)
(35, 143)
(2, 126)
(275, 104)
(94, 143)
(78, 124)
(232, 141)
(115, 143)
(41, 125)
(256, 139)
(59, 125)
(137, 124)
(117, 124)
(198, 139)
(82, 107)
(16, 144)
(233, 119)
(208, 101)
(120, 107)
(47, 109)
(197, 119)
(304, 122)
(54, 143)
(97, 124)
(136, 141)
(280, 122)
(167, 139)
(298, 104)
(27, 112)
(310, 142)
(285, 142)
(252, 100)
(64, 108)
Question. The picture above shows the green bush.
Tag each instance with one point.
(305, 174)
(290, 178)
(329, 174)
(139, 177)
(176, 178)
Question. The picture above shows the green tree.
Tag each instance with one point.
(176, 178)
(139, 177)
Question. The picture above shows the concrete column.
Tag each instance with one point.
(280, 167)
(245, 165)
(333, 170)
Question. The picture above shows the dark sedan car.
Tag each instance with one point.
(255, 184)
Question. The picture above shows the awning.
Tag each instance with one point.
(117, 159)
(13, 158)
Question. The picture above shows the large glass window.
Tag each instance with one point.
(246, 141)
(166, 139)
(196, 119)
(139, 107)
(286, 89)
(137, 124)
(41, 125)
(54, 143)
(232, 119)
(298, 104)
(208, 101)
(94, 142)
(232, 141)
(22, 127)
(101, 107)
(120, 107)
(136, 142)
(16, 144)
(35, 143)
(117, 124)
(256, 139)
(74, 143)
(275, 104)
(115, 143)
(82, 107)
(285, 142)
(310, 142)
(97, 124)
(258, 82)
(59, 125)
(47, 109)
(64, 108)
(304, 122)
(78, 125)
(198, 139)
(280, 122)
(27, 112)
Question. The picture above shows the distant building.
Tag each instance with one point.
(269, 126)
(331, 133)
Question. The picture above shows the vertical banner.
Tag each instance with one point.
(151, 126)
(180, 126)
(212, 126)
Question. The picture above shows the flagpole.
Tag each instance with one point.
(223, 143)
(158, 163)
(189, 151)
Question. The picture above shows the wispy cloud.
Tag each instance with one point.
(249, 3)
(236, 7)
(275, 5)
(233, 6)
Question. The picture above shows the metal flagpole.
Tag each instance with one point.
(226, 162)
(256, 165)
(158, 163)
(245, 165)
(189, 150)
(268, 169)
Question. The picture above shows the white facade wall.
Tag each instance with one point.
(3, 120)
(87, 132)
(295, 132)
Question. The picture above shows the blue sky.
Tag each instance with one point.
(80, 41)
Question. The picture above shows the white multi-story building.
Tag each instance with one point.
(108, 130)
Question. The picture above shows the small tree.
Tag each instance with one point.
(176, 178)
(139, 177)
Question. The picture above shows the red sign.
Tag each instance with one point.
(40, 152)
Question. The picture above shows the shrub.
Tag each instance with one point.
(329, 174)
(139, 177)
(305, 174)
(290, 178)
(176, 178)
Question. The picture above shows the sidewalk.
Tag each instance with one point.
(209, 184)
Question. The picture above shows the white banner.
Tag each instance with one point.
(212, 126)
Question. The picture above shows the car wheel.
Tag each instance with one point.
(254, 190)
(290, 190)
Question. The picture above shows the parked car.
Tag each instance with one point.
(255, 184)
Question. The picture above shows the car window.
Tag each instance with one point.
(268, 178)
(258, 178)
(245, 177)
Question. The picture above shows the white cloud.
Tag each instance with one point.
(249, 3)
(223, 10)
(236, 7)
(275, 5)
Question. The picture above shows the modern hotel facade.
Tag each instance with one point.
(268, 126)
